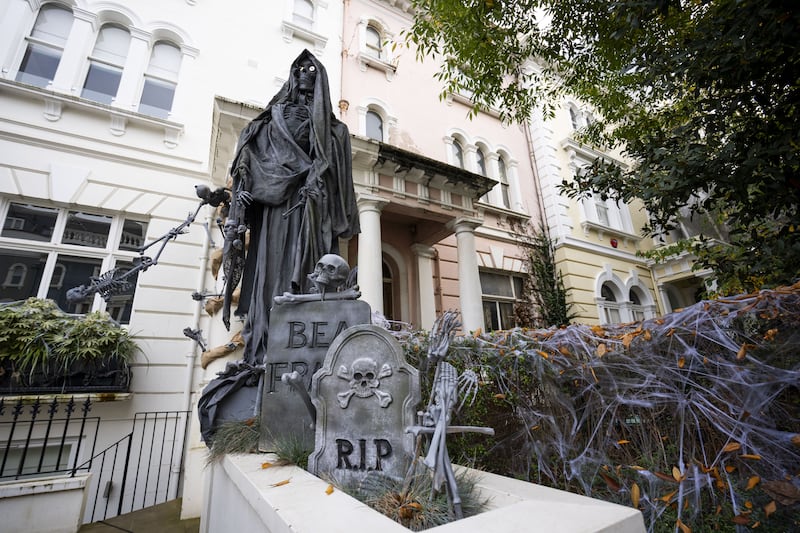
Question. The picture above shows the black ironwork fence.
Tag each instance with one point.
(46, 438)
(141, 469)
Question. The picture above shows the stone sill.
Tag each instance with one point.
(78, 397)
(241, 496)
(55, 102)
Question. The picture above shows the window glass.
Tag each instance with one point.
(41, 59)
(634, 297)
(121, 303)
(101, 83)
(25, 221)
(133, 233)
(574, 118)
(157, 97)
(112, 44)
(481, 162)
(20, 273)
(160, 80)
(165, 60)
(374, 47)
(84, 229)
(503, 171)
(304, 13)
(458, 154)
(78, 271)
(374, 126)
(496, 284)
(39, 65)
(105, 69)
(607, 293)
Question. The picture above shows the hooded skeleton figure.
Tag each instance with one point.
(293, 180)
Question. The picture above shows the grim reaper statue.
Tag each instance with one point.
(293, 188)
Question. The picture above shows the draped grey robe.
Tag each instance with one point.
(302, 166)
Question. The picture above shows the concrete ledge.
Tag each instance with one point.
(44, 505)
(241, 496)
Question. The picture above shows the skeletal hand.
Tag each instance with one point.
(244, 198)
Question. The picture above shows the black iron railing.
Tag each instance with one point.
(38, 442)
(141, 469)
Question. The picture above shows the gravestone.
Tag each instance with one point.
(299, 337)
(365, 395)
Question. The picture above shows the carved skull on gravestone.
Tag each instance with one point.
(330, 273)
(364, 379)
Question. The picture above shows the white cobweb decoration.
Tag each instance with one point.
(692, 417)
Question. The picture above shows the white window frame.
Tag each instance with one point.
(380, 58)
(106, 62)
(501, 299)
(53, 249)
(30, 40)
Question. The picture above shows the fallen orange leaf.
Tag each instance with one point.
(635, 494)
(732, 447)
(748, 504)
(623, 441)
(610, 481)
(683, 527)
(647, 335)
(676, 473)
(266, 465)
(740, 520)
(730, 468)
(753, 456)
(599, 331)
(752, 482)
(564, 350)
(770, 508)
(663, 477)
(602, 349)
(543, 354)
(280, 483)
(329, 490)
(667, 497)
(627, 339)
(795, 440)
(681, 362)
(500, 396)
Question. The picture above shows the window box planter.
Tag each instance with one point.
(46, 351)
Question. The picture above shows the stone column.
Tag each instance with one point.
(135, 66)
(370, 263)
(79, 45)
(427, 297)
(14, 26)
(468, 278)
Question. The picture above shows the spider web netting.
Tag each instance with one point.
(692, 417)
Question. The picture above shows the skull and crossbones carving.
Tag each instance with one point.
(364, 379)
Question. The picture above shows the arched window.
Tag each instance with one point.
(575, 118)
(15, 276)
(45, 45)
(374, 45)
(481, 162)
(458, 154)
(303, 14)
(637, 309)
(388, 292)
(609, 304)
(502, 170)
(160, 80)
(374, 126)
(106, 64)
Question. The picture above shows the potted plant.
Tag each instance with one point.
(45, 350)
